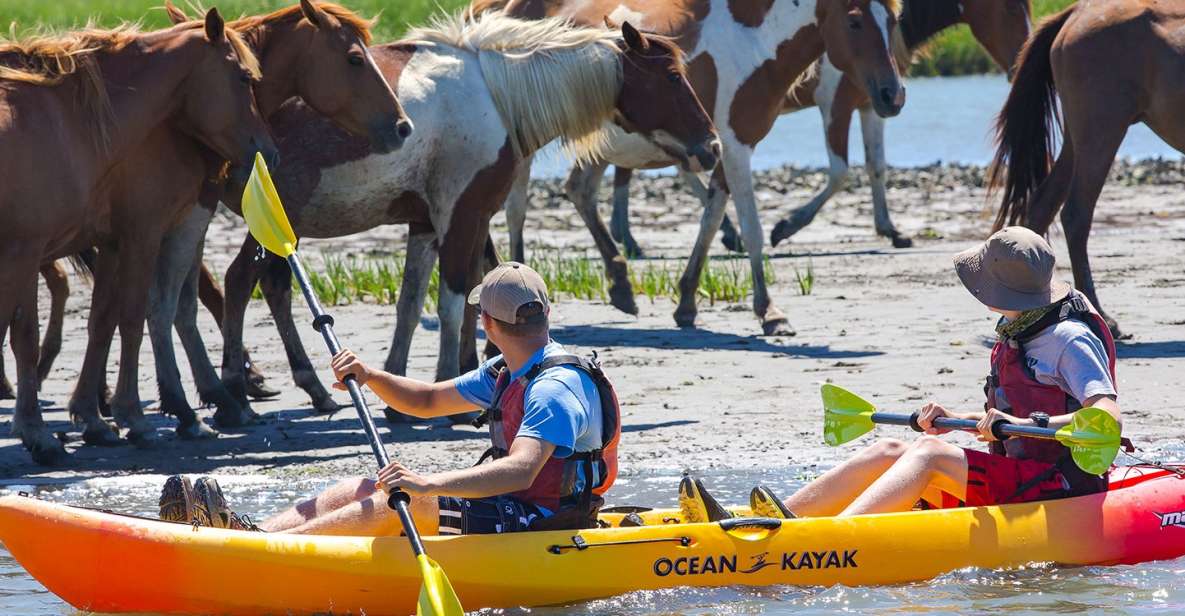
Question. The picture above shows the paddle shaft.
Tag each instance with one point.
(1001, 429)
(323, 323)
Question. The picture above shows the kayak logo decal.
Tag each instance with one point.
(727, 563)
(1176, 518)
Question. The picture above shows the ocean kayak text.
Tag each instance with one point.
(725, 563)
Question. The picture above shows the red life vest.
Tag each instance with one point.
(563, 483)
(1025, 395)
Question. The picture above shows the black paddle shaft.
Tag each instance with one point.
(1001, 429)
(323, 323)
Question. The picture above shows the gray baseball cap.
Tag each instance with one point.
(507, 288)
(1012, 270)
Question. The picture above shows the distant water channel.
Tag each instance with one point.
(1151, 588)
(946, 119)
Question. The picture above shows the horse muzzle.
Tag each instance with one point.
(388, 137)
(703, 156)
(887, 99)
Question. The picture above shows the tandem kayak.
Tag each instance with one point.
(106, 562)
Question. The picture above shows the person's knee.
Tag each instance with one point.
(359, 487)
(931, 447)
(886, 448)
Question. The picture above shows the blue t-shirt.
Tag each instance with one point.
(560, 406)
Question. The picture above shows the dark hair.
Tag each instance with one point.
(530, 320)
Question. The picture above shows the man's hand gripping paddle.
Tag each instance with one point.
(269, 224)
(1092, 436)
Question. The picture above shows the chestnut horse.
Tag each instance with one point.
(72, 108)
(1000, 26)
(316, 52)
(484, 93)
(744, 55)
(1111, 63)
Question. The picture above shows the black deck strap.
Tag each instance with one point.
(321, 321)
(765, 523)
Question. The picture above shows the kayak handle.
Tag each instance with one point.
(763, 523)
(1002, 430)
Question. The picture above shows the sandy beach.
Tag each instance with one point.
(893, 325)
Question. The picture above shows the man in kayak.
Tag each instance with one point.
(1054, 355)
(554, 424)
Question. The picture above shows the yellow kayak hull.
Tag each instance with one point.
(112, 563)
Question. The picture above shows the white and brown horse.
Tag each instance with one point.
(1001, 26)
(74, 109)
(1111, 63)
(484, 92)
(743, 56)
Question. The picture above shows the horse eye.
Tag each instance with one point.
(674, 78)
(356, 60)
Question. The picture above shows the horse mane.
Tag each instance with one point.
(547, 77)
(360, 25)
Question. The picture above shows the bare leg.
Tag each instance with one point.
(834, 490)
(417, 273)
(928, 462)
(276, 283)
(353, 507)
(59, 290)
(873, 128)
(582, 185)
(619, 223)
(517, 203)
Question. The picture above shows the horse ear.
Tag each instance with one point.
(633, 38)
(175, 14)
(609, 23)
(215, 26)
(313, 13)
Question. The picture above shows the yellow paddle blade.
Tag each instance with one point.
(1093, 437)
(846, 416)
(265, 214)
(437, 597)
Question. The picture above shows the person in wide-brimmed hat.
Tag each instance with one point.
(1053, 356)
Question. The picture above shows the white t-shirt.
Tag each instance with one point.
(1069, 355)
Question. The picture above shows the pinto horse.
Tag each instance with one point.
(1111, 63)
(73, 107)
(485, 92)
(316, 52)
(744, 55)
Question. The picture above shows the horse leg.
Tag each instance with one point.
(59, 291)
(213, 299)
(729, 237)
(1095, 147)
(417, 273)
(516, 210)
(490, 261)
(582, 185)
(276, 284)
(101, 323)
(18, 307)
(873, 128)
(716, 198)
(737, 169)
(460, 260)
(619, 223)
(174, 262)
(137, 268)
(241, 277)
(836, 110)
(6, 390)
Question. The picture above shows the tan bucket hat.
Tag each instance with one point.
(508, 288)
(1012, 270)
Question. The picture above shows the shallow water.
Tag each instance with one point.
(1153, 588)
(945, 119)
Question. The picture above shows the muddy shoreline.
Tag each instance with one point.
(892, 324)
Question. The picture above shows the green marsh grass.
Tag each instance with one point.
(339, 280)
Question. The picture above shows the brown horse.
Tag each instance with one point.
(1112, 63)
(316, 52)
(744, 55)
(58, 282)
(73, 108)
(484, 93)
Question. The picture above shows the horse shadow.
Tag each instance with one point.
(1156, 349)
(689, 339)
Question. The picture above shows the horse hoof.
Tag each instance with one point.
(145, 438)
(685, 319)
(395, 417)
(195, 431)
(622, 298)
(326, 406)
(777, 326)
(6, 390)
(49, 453)
(102, 436)
(258, 389)
(235, 418)
(633, 250)
(462, 419)
(901, 241)
(732, 242)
